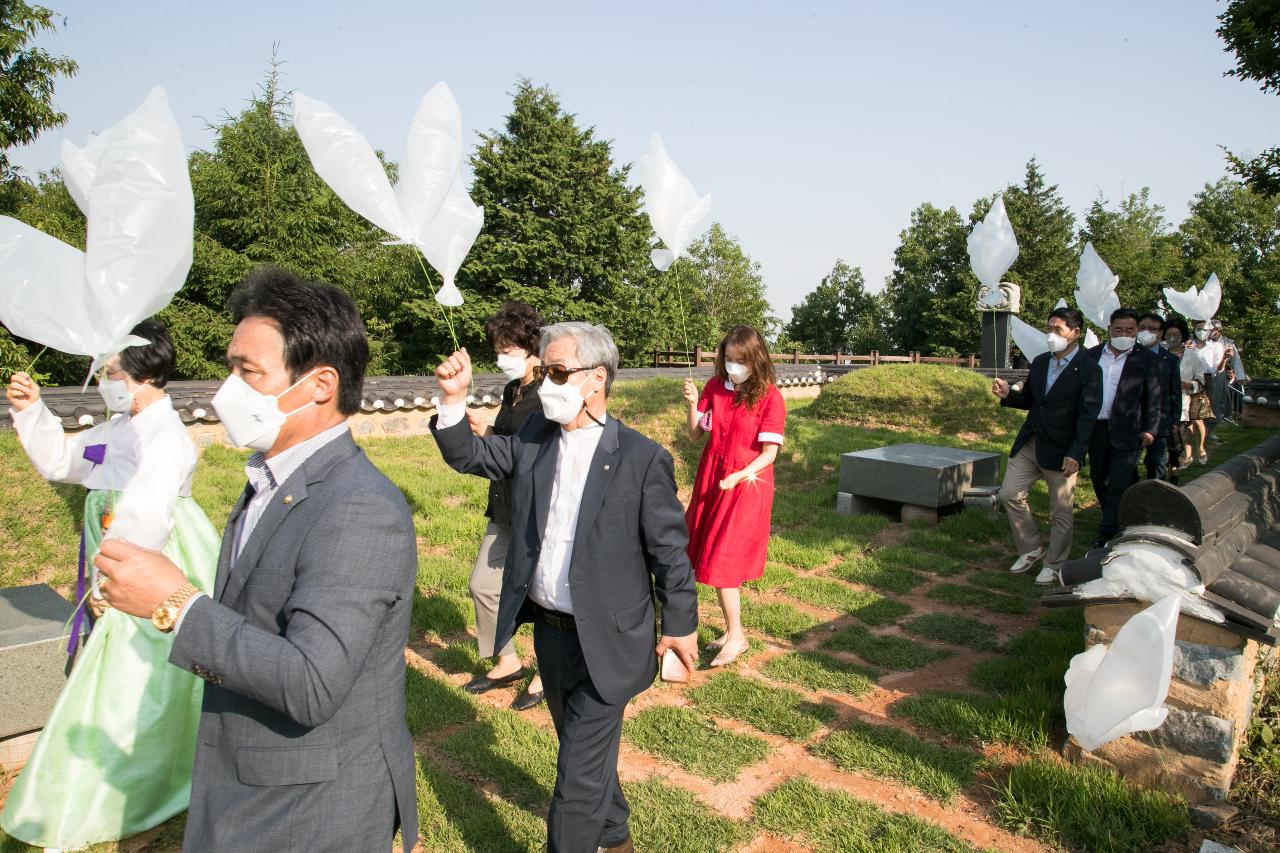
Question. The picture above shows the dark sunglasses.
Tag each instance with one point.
(558, 374)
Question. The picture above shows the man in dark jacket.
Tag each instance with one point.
(1128, 420)
(1151, 328)
(1062, 394)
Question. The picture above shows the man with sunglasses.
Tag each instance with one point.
(596, 532)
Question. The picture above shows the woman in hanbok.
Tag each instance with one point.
(728, 516)
(114, 758)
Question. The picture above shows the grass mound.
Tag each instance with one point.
(929, 397)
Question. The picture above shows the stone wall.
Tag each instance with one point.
(1195, 751)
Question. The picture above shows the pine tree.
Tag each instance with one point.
(1047, 257)
(563, 231)
(932, 292)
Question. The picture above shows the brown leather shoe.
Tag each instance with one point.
(624, 847)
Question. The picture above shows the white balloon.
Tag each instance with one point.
(1196, 305)
(1090, 339)
(1062, 303)
(1028, 338)
(344, 160)
(449, 238)
(133, 185)
(1096, 288)
(1117, 690)
(429, 208)
(993, 248)
(675, 210)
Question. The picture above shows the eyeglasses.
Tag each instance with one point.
(557, 373)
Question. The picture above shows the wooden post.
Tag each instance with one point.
(973, 361)
(875, 357)
(795, 357)
(697, 356)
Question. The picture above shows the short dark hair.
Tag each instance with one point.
(1151, 315)
(1073, 317)
(319, 323)
(1179, 324)
(151, 363)
(1123, 314)
(517, 324)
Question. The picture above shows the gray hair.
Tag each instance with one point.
(593, 346)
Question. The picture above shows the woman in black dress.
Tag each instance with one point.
(513, 333)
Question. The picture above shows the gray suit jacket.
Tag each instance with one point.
(629, 543)
(302, 742)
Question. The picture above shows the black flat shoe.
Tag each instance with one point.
(527, 700)
(483, 683)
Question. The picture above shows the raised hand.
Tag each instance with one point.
(691, 391)
(22, 391)
(454, 377)
(1000, 387)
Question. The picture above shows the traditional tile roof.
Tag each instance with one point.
(192, 399)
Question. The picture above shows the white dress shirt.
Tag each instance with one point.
(1211, 352)
(1112, 365)
(550, 586)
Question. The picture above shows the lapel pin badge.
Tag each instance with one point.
(288, 499)
(606, 467)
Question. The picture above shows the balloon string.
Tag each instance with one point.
(684, 324)
(417, 253)
(32, 365)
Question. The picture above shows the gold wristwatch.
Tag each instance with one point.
(166, 615)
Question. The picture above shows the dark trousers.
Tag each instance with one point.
(1112, 472)
(1157, 460)
(588, 809)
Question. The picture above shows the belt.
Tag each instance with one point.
(556, 619)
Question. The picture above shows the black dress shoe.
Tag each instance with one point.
(527, 700)
(483, 683)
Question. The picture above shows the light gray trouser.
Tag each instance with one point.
(486, 587)
(1020, 474)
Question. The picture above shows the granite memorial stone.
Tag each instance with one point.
(33, 655)
(885, 479)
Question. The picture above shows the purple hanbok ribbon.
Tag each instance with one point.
(95, 453)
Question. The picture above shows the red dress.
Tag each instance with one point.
(729, 531)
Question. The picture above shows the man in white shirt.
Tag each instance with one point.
(596, 532)
(1128, 420)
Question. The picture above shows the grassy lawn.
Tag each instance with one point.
(903, 597)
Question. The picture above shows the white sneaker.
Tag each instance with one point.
(1026, 561)
(1048, 576)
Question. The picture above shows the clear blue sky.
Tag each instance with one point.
(817, 127)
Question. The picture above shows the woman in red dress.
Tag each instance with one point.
(728, 516)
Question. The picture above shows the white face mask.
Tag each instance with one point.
(1147, 338)
(116, 394)
(513, 365)
(1056, 342)
(1123, 344)
(253, 419)
(1201, 335)
(560, 403)
(738, 372)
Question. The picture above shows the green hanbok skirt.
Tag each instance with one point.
(114, 758)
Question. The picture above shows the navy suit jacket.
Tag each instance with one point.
(1060, 419)
(629, 543)
(1136, 408)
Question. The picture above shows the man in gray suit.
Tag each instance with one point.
(596, 531)
(302, 743)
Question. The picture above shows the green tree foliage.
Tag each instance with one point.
(562, 231)
(1047, 260)
(259, 201)
(932, 291)
(839, 315)
(1251, 30)
(27, 78)
(1234, 231)
(1135, 240)
(720, 287)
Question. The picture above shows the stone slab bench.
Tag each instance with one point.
(915, 480)
(33, 664)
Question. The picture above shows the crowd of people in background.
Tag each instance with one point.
(1146, 401)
